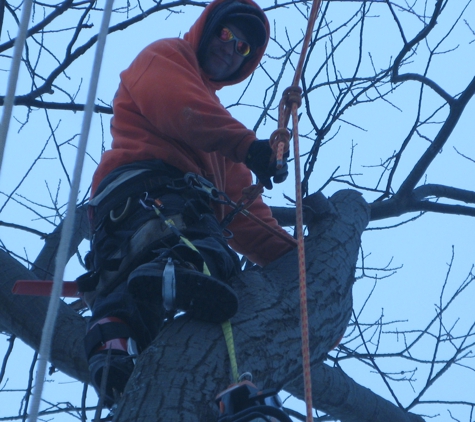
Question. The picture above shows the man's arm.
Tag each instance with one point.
(251, 239)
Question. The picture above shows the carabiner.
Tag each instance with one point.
(146, 201)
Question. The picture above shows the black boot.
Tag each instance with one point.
(107, 347)
(184, 288)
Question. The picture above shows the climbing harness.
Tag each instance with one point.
(243, 402)
(115, 203)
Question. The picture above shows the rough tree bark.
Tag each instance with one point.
(179, 375)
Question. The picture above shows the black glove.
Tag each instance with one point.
(258, 160)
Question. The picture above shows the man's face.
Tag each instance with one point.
(221, 59)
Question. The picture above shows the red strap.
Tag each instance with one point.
(43, 288)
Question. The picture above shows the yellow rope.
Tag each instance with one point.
(228, 336)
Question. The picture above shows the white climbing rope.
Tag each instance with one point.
(13, 75)
(68, 224)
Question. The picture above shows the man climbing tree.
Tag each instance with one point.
(370, 120)
(159, 195)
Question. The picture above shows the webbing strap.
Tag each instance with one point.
(228, 336)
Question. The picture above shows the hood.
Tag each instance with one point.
(205, 25)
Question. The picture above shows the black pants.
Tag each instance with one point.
(202, 229)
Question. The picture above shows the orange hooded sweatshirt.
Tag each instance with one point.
(166, 108)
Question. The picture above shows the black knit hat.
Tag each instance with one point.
(247, 18)
(251, 26)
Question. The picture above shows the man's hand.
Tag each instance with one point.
(258, 160)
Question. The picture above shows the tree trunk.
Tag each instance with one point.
(178, 377)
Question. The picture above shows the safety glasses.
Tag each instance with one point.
(243, 48)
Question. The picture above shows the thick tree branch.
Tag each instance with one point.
(24, 316)
(441, 191)
(419, 201)
(337, 394)
(393, 207)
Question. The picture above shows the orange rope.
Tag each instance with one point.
(307, 378)
(279, 141)
(290, 103)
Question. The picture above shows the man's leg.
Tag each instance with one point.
(193, 274)
(118, 322)
(134, 309)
